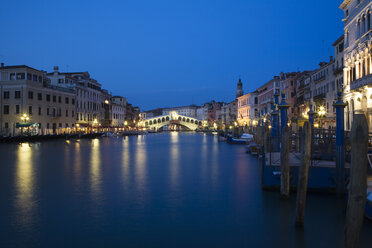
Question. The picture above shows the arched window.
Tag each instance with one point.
(358, 28)
(363, 28)
(368, 20)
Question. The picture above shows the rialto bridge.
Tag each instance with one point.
(173, 118)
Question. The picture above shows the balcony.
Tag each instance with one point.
(356, 84)
(319, 97)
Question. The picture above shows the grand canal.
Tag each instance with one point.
(159, 190)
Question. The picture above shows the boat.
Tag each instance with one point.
(243, 140)
(252, 148)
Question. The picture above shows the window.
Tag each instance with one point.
(20, 76)
(59, 99)
(29, 76)
(48, 98)
(60, 81)
(12, 76)
(66, 100)
(66, 113)
(39, 96)
(66, 124)
(40, 79)
(39, 110)
(73, 101)
(6, 94)
(17, 109)
(54, 98)
(6, 125)
(17, 94)
(6, 109)
(60, 125)
(73, 113)
(47, 125)
(47, 111)
(30, 95)
(30, 110)
(34, 77)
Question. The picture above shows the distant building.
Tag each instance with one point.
(189, 111)
(227, 114)
(118, 111)
(26, 91)
(247, 110)
(323, 92)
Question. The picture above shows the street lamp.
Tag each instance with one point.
(321, 114)
(24, 118)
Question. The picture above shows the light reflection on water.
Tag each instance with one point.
(95, 171)
(174, 160)
(25, 203)
(140, 173)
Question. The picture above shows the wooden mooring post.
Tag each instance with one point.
(284, 162)
(358, 181)
(303, 176)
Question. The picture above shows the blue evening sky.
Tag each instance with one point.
(161, 53)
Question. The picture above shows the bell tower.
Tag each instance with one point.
(239, 89)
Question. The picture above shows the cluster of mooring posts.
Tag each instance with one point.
(314, 159)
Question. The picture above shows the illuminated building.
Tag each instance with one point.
(357, 59)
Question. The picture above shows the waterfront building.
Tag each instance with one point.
(118, 111)
(227, 114)
(338, 71)
(210, 111)
(132, 115)
(357, 59)
(288, 86)
(90, 99)
(323, 93)
(247, 109)
(28, 97)
(303, 98)
(265, 95)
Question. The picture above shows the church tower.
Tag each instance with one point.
(239, 89)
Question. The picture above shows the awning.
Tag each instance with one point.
(26, 125)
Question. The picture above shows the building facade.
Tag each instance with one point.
(357, 59)
(90, 99)
(247, 111)
(28, 97)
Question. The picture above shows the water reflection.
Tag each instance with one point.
(25, 185)
(174, 160)
(215, 165)
(126, 163)
(95, 170)
(77, 164)
(140, 168)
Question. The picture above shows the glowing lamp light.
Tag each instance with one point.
(125, 123)
(106, 102)
(316, 125)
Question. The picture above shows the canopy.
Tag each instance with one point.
(26, 124)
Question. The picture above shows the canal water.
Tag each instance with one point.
(159, 190)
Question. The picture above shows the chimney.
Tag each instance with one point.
(55, 69)
(2, 65)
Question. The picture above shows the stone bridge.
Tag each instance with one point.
(173, 118)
